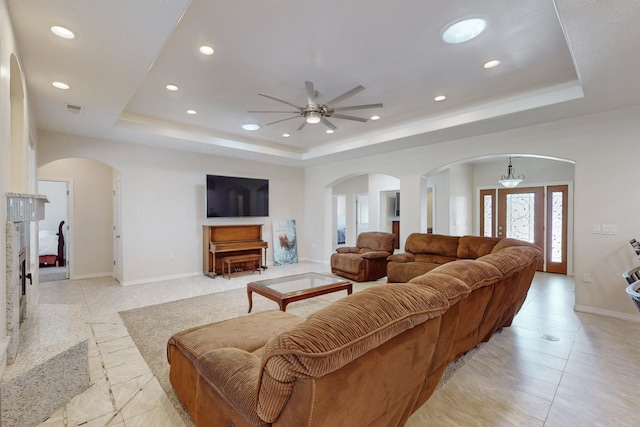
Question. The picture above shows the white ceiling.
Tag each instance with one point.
(558, 59)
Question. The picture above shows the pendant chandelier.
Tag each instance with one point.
(510, 180)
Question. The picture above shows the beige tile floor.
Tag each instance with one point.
(588, 377)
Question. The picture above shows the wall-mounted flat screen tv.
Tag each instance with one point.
(229, 196)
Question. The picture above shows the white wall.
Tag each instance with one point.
(163, 193)
(461, 200)
(605, 190)
(89, 241)
(535, 170)
(7, 47)
(16, 159)
(440, 183)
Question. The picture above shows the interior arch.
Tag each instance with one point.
(91, 214)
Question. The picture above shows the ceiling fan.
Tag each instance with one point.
(316, 112)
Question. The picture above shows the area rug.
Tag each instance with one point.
(151, 327)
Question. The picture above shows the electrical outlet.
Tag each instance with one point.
(595, 229)
(586, 278)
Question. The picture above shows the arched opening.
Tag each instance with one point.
(19, 179)
(365, 202)
(468, 199)
(92, 215)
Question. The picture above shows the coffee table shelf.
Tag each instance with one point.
(288, 289)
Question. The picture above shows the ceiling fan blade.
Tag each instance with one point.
(280, 100)
(346, 95)
(283, 112)
(344, 116)
(304, 122)
(358, 107)
(283, 120)
(311, 93)
(328, 124)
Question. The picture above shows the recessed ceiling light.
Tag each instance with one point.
(172, 87)
(60, 85)
(286, 135)
(492, 63)
(192, 112)
(439, 98)
(250, 126)
(206, 50)
(465, 30)
(375, 117)
(63, 32)
(329, 130)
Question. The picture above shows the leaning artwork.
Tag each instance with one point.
(285, 248)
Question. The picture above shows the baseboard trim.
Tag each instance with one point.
(607, 313)
(90, 276)
(159, 278)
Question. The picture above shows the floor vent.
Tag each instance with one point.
(74, 108)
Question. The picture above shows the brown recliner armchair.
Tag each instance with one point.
(365, 261)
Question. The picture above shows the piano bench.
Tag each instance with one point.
(229, 261)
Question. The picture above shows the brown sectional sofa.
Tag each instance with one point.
(371, 358)
(424, 252)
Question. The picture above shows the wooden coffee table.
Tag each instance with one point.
(284, 290)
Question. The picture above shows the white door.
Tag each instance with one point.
(117, 238)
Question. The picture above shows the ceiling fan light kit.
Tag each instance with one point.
(314, 112)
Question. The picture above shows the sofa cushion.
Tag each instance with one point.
(472, 247)
(438, 244)
(338, 334)
(452, 288)
(507, 243)
(434, 258)
(348, 250)
(244, 333)
(505, 262)
(475, 274)
(376, 241)
(349, 263)
(405, 271)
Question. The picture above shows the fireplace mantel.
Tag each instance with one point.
(25, 207)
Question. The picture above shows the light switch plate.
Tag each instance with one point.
(609, 229)
(595, 229)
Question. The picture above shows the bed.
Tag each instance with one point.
(51, 247)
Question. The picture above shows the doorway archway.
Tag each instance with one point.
(91, 214)
(461, 190)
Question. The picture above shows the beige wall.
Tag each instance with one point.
(163, 194)
(16, 158)
(605, 189)
(7, 47)
(90, 247)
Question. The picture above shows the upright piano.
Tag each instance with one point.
(220, 241)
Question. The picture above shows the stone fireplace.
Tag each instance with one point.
(46, 347)
(22, 209)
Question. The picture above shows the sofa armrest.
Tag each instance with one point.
(404, 257)
(375, 254)
(348, 250)
(234, 374)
